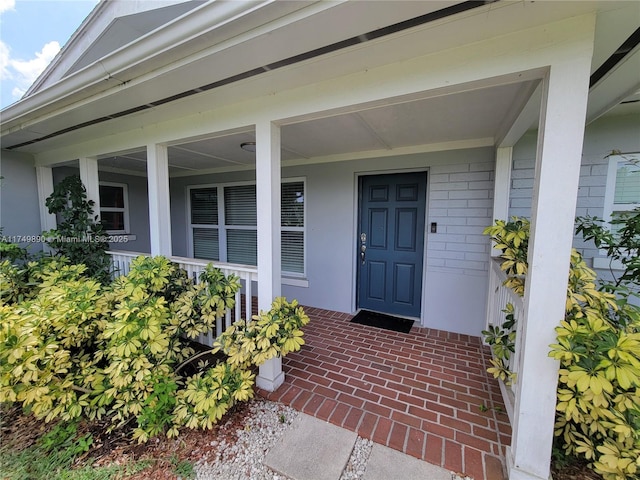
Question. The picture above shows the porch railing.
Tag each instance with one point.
(499, 296)
(121, 261)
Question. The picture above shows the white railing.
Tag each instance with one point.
(121, 260)
(499, 296)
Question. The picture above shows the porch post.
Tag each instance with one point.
(44, 178)
(558, 158)
(268, 195)
(91, 182)
(502, 187)
(159, 204)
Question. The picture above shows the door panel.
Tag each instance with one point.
(378, 227)
(406, 223)
(377, 280)
(403, 283)
(391, 242)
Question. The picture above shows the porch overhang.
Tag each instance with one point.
(65, 112)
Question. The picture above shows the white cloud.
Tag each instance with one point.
(7, 5)
(30, 69)
(25, 72)
(4, 61)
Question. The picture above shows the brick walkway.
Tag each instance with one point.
(425, 393)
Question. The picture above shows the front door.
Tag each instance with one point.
(391, 242)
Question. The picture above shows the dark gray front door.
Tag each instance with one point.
(391, 242)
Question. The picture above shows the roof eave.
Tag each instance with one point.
(110, 71)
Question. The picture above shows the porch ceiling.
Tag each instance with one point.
(141, 90)
(471, 115)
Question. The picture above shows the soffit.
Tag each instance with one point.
(266, 47)
(462, 116)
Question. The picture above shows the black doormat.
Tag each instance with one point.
(381, 320)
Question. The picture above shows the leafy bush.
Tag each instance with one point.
(198, 308)
(598, 409)
(72, 347)
(12, 251)
(621, 241)
(502, 341)
(598, 393)
(268, 335)
(512, 238)
(78, 236)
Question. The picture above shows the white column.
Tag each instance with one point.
(268, 195)
(159, 201)
(91, 182)
(558, 159)
(502, 187)
(44, 176)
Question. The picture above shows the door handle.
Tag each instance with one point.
(363, 249)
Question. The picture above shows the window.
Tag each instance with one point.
(623, 185)
(114, 207)
(204, 221)
(293, 227)
(224, 224)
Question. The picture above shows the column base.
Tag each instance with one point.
(271, 375)
(270, 385)
(516, 474)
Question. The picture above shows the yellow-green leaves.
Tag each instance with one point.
(598, 393)
(268, 335)
(598, 347)
(197, 309)
(512, 239)
(208, 396)
(75, 348)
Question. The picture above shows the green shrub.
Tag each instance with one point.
(598, 392)
(72, 347)
(197, 309)
(502, 341)
(78, 236)
(268, 335)
(598, 409)
(512, 239)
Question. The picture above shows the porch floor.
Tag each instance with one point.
(425, 393)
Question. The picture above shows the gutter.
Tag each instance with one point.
(207, 17)
(202, 26)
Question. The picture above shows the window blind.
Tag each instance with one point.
(240, 224)
(204, 206)
(293, 252)
(293, 204)
(206, 243)
(242, 246)
(627, 184)
(240, 205)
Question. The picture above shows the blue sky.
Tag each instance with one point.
(31, 34)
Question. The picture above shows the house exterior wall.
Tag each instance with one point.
(138, 238)
(606, 134)
(19, 212)
(460, 186)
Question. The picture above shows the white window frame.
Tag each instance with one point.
(191, 226)
(610, 191)
(125, 209)
(610, 206)
(222, 227)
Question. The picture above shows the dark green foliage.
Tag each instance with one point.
(12, 251)
(621, 241)
(78, 236)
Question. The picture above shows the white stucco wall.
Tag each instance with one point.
(460, 186)
(19, 212)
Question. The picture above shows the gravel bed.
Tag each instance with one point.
(266, 422)
(242, 459)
